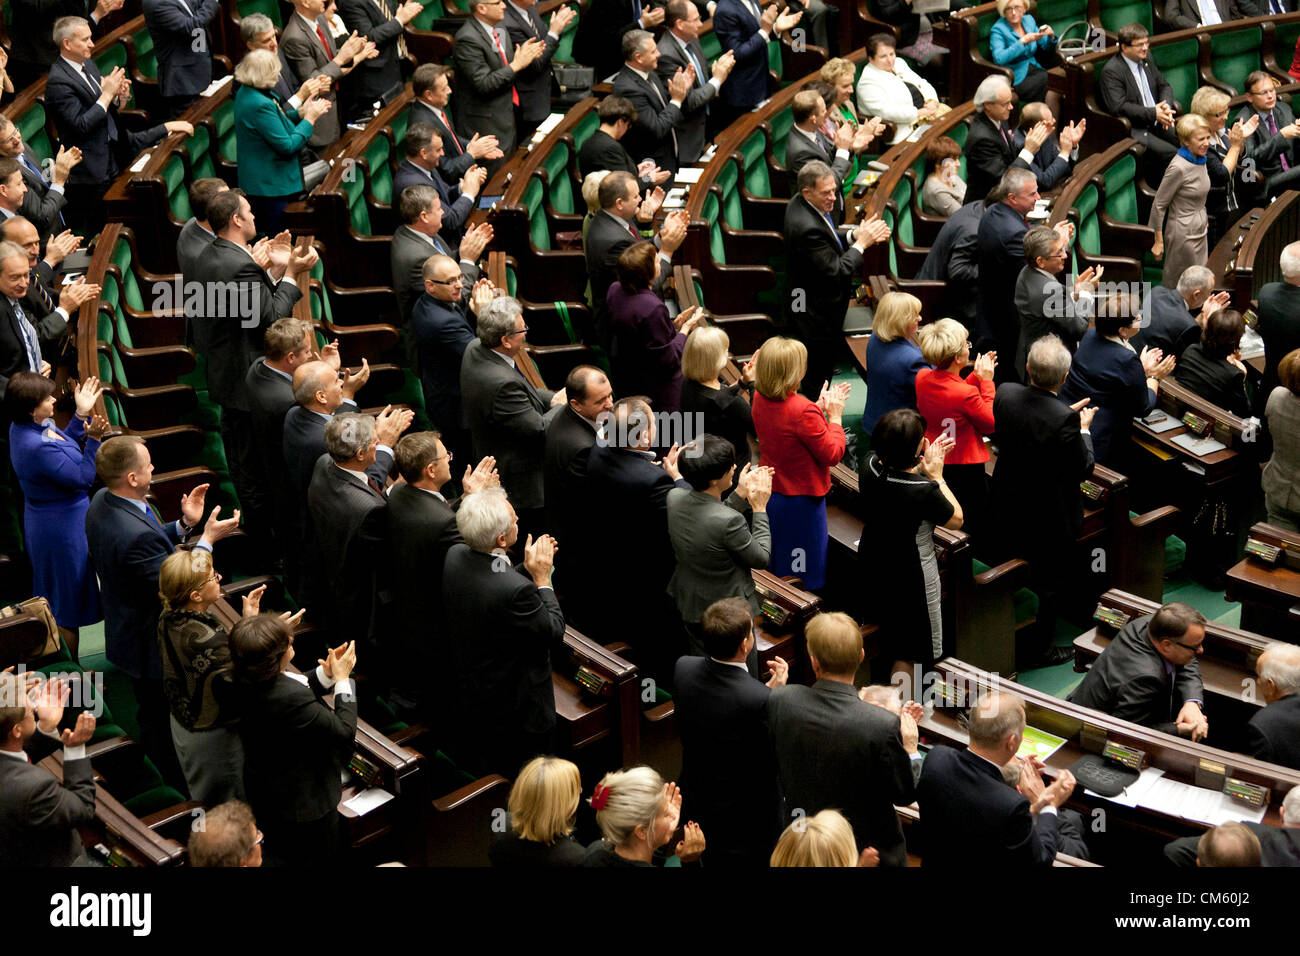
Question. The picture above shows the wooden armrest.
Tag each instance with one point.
(1156, 517)
(661, 712)
(171, 814)
(468, 792)
(1008, 572)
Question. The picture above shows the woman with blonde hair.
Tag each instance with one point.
(893, 357)
(1178, 213)
(822, 840)
(718, 409)
(1226, 145)
(637, 814)
(543, 805)
(801, 440)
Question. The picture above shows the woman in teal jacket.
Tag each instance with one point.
(269, 138)
(1014, 41)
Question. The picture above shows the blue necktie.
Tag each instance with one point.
(29, 339)
(636, 10)
(831, 222)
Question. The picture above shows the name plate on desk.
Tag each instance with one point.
(1159, 422)
(688, 175)
(1263, 552)
(1197, 445)
(1210, 774)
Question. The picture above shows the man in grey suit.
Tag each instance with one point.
(418, 238)
(1044, 305)
(507, 415)
(1167, 320)
(679, 49)
(39, 816)
(806, 142)
(306, 43)
(715, 546)
(835, 751)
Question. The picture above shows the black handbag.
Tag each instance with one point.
(575, 82)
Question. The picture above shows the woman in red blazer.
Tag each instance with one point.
(962, 409)
(801, 441)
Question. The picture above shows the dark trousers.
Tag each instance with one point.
(154, 717)
(1033, 87)
(177, 105)
(970, 485)
(244, 468)
(268, 213)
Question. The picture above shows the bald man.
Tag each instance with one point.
(1273, 733)
(1278, 846)
(1229, 845)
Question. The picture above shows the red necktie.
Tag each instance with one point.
(323, 42)
(446, 121)
(496, 41)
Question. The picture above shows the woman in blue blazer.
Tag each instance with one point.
(55, 473)
(1015, 40)
(269, 138)
(893, 357)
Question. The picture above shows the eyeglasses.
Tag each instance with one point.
(522, 331)
(448, 456)
(260, 838)
(455, 281)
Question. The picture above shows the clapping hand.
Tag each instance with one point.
(353, 381)
(1037, 136)
(869, 856)
(669, 463)
(1087, 279)
(1211, 305)
(1086, 415)
(216, 529)
(480, 476)
(483, 147)
(539, 558)
(481, 296)
(251, 603)
(86, 394)
(650, 205)
(870, 231)
(748, 372)
(778, 672)
(832, 398)
(985, 365)
(691, 845)
(475, 240)
(933, 455)
(844, 134)
(688, 319)
(76, 294)
(339, 661)
(329, 354)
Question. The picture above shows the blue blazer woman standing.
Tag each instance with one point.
(55, 473)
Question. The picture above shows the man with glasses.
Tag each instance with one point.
(1273, 150)
(419, 237)
(991, 143)
(1149, 675)
(1134, 89)
(1043, 302)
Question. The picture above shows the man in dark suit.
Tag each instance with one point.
(1168, 322)
(506, 414)
(197, 235)
(1000, 242)
(969, 811)
(627, 485)
(258, 33)
(729, 774)
(440, 331)
(990, 146)
(658, 103)
(680, 50)
(524, 23)
(1043, 304)
(1273, 733)
(431, 86)
(306, 43)
(84, 105)
(603, 149)
(1190, 14)
(1279, 320)
(128, 544)
(487, 66)
(21, 334)
(48, 301)
(44, 201)
(419, 237)
(954, 260)
(423, 148)
(744, 30)
(502, 628)
(836, 751)
(242, 298)
(602, 28)
(820, 270)
(39, 814)
(1133, 88)
(1148, 673)
(1279, 846)
(183, 46)
(806, 143)
(379, 77)
(32, 45)
(1057, 155)
(1273, 149)
(346, 505)
(1044, 451)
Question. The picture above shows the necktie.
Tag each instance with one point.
(1272, 131)
(375, 486)
(446, 121)
(496, 41)
(827, 146)
(29, 339)
(1279, 7)
(701, 71)
(651, 78)
(1143, 86)
(835, 232)
(90, 81)
(324, 41)
(1006, 134)
(401, 38)
(42, 296)
(636, 11)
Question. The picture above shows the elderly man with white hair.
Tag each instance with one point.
(1172, 319)
(1279, 318)
(502, 625)
(991, 143)
(1273, 733)
(1278, 846)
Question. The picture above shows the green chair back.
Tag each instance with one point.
(902, 197)
(727, 180)
(1235, 55)
(1178, 62)
(710, 210)
(146, 61)
(178, 193)
(538, 232)
(381, 174)
(781, 124)
(584, 128)
(32, 124)
(354, 188)
(223, 121)
(269, 7)
(1059, 14)
(711, 45)
(753, 154)
(1089, 235)
(199, 148)
(1121, 190)
(559, 188)
(1116, 13)
(433, 10)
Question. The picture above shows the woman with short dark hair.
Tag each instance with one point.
(1212, 367)
(645, 344)
(55, 473)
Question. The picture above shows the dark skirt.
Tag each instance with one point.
(799, 538)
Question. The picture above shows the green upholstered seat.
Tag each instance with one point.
(1236, 54)
(1116, 13)
(1024, 600)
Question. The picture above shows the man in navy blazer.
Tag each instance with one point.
(729, 775)
(423, 148)
(128, 543)
(382, 24)
(1273, 733)
(183, 46)
(441, 330)
(533, 82)
(990, 146)
(954, 260)
(679, 49)
(742, 29)
(431, 87)
(1057, 155)
(968, 813)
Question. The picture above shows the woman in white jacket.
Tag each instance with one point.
(892, 90)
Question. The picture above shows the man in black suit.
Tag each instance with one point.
(431, 86)
(310, 49)
(1133, 88)
(1168, 319)
(32, 45)
(601, 30)
(658, 103)
(1148, 673)
(487, 67)
(821, 269)
(423, 149)
(954, 261)
(1057, 155)
(612, 230)
(346, 505)
(39, 814)
(183, 46)
(84, 105)
(836, 751)
(1043, 303)
(191, 246)
(128, 544)
(378, 78)
(990, 146)
(627, 485)
(420, 530)
(970, 813)
(21, 334)
(242, 297)
(729, 773)
(506, 414)
(258, 33)
(1273, 733)
(1279, 846)
(1190, 14)
(441, 329)
(503, 625)
(1272, 151)
(44, 201)
(49, 301)
(1044, 451)
(603, 149)
(524, 23)
(806, 143)
(1279, 320)
(680, 50)
(419, 237)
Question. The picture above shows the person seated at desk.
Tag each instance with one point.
(1149, 674)
(944, 191)
(1279, 846)
(543, 808)
(638, 814)
(824, 839)
(229, 838)
(1281, 478)
(1274, 146)
(1229, 845)
(1273, 733)
(1212, 368)
(967, 809)
(603, 149)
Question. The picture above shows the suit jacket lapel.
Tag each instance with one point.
(138, 515)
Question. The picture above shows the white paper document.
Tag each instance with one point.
(688, 175)
(368, 800)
